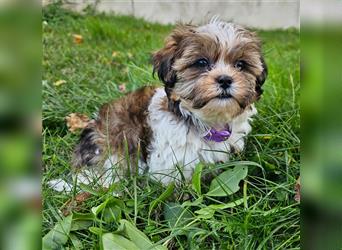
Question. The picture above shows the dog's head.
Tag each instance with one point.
(215, 71)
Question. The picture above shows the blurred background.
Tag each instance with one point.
(262, 14)
(20, 105)
(321, 120)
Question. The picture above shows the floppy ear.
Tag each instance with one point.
(162, 64)
(164, 58)
(261, 78)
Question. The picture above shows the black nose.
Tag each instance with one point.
(224, 81)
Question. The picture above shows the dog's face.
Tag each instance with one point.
(215, 71)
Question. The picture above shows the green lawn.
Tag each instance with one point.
(267, 218)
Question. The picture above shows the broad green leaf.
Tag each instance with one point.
(228, 182)
(194, 203)
(205, 213)
(97, 230)
(228, 205)
(87, 188)
(166, 194)
(196, 178)
(176, 215)
(81, 221)
(82, 216)
(159, 247)
(209, 211)
(111, 213)
(110, 210)
(119, 203)
(80, 225)
(76, 242)
(96, 210)
(138, 237)
(59, 235)
(117, 242)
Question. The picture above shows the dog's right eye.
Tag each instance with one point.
(240, 65)
(201, 63)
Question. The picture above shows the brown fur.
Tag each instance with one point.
(120, 121)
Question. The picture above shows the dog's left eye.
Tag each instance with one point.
(201, 63)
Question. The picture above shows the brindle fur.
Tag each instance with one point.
(119, 122)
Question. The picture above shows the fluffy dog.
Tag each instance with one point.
(212, 75)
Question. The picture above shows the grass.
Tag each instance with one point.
(268, 217)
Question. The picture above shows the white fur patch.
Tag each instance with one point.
(60, 185)
(226, 33)
(175, 149)
(88, 176)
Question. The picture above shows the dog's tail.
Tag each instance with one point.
(90, 148)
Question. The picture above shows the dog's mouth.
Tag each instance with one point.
(224, 95)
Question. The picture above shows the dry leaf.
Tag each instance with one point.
(76, 121)
(59, 82)
(122, 87)
(77, 38)
(130, 56)
(76, 203)
(297, 190)
(68, 71)
(115, 54)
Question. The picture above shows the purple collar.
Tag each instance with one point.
(218, 136)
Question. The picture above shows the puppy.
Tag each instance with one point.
(212, 75)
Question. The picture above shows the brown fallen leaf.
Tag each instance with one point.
(78, 38)
(297, 190)
(122, 87)
(115, 53)
(76, 121)
(59, 82)
(75, 204)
